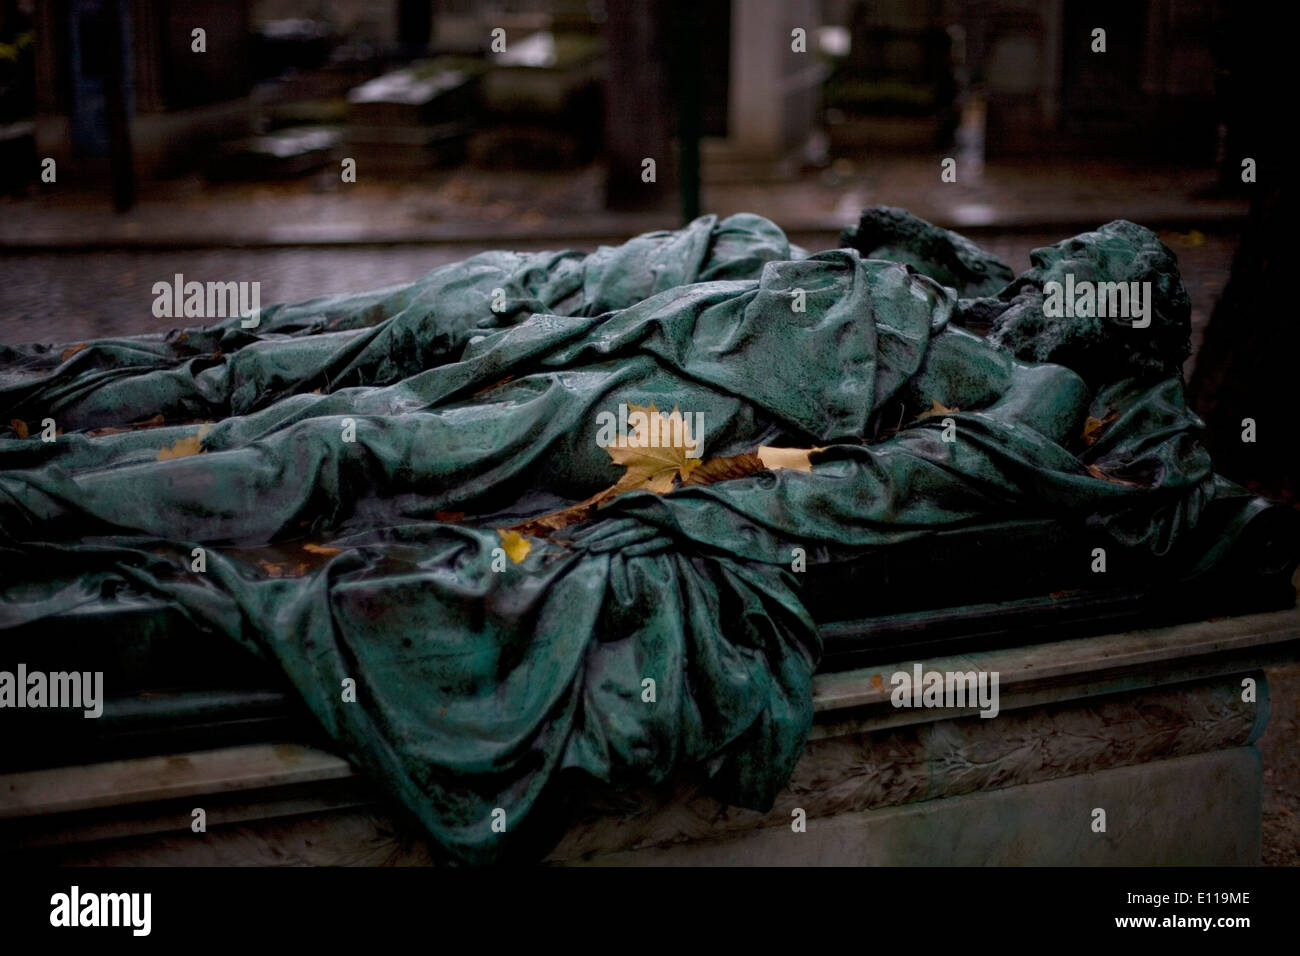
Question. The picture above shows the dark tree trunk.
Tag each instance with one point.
(1247, 366)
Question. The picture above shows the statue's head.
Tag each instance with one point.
(1063, 309)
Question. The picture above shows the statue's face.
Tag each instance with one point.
(1102, 256)
(1101, 348)
(1075, 256)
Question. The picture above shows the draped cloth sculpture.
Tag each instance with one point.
(393, 433)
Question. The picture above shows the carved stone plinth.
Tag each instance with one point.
(1156, 728)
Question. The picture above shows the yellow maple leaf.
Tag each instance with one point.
(191, 445)
(656, 451)
(515, 544)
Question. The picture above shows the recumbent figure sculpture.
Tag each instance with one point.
(397, 432)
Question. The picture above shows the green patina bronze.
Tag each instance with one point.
(477, 686)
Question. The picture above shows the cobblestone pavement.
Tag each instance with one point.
(68, 297)
(509, 202)
(62, 297)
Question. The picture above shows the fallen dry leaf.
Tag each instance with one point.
(543, 525)
(936, 408)
(515, 544)
(726, 469)
(1093, 426)
(184, 447)
(1098, 473)
(706, 473)
(70, 351)
(19, 426)
(796, 459)
(494, 385)
(651, 462)
(276, 570)
(321, 548)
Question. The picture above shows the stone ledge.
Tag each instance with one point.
(1073, 708)
(936, 760)
(1200, 810)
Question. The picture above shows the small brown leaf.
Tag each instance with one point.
(321, 548)
(543, 525)
(495, 385)
(1098, 473)
(70, 351)
(19, 426)
(1093, 426)
(766, 458)
(726, 469)
(936, 408)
